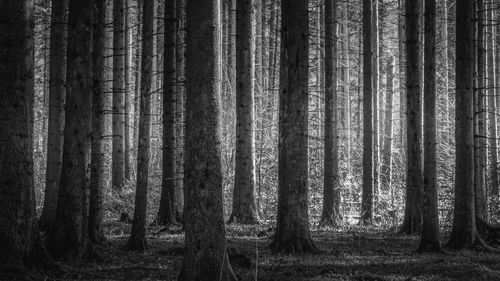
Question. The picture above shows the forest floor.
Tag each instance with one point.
(353, 254)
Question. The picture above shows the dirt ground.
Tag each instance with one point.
(352, 254)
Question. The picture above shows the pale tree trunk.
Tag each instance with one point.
(402, 78)
(292, 226)
(367, 192)
(97, 179)
(388, 124)
(347, 86)
(137, 240)
(205, 256)
(58, 35)
(331, 215)
(464, 234)
(21, 244)
(167, 209)
(429, 238)
(127, 93)
(118, 156)
(244, 203)
(412, 214)
(68, 239)
(375, 97)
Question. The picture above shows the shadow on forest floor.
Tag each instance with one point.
(354, 254)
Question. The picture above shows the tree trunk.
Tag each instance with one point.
(402, 83)
(331, 215)
(137, 240)
(97, 179)
(292, 227)
(387, 151)
(429, 240)
(68, 239)
(244, 204)
(127, 81)
(412, 214)
(375, 97)
(464, 234)
(367, 192)
(118, 157)
(21, 242)
(58, 35)
(205, 257)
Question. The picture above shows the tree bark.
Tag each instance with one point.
(331, 215)
(244, 203)
(376, 104)
(137, 240)
(68, 239)
(58, 41)
(429, 239)
(386, 168)
(292, 227)
(205, 256)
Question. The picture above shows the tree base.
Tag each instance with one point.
(408, 228)
(136, 245)
(429, 248)
(329, 222)
(250, 219)
(227, 273)
(293, 246)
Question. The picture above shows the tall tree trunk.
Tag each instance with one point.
(375, 97)
(137, 240)
(402, 79)
(367, 192)
(205, 257)
(127, 137)
(331, 215)
(97, 179)
(118, 157)
(412, 215)
(464, 234)
(167, 209)
(244, 204)
(21, 242)
(429, 240)
(68, 238)
(57, 96)
(388, 124)
(292, 227)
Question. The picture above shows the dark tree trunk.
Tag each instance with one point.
(21, 242)
(68, 238)
(292, 227)
(58, 35)
(97, 179)
(137, 240)
(412, 215)
(118, 156)
(205, 257)
(167, 210)
(464, 234)
(244, 204)
(429, 240)
(367, 193)
(331, 215)
(376, 103)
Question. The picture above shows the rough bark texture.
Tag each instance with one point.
(463, 234)
(244, 203)
(331, 215)
(58, 40)
(97, 179)
(68, 239)
(385, 170)
(167, 209)
(429, 239)
(21, 243)
(376, 102)
(367, 193)
(118, 155)
(137, 240)
(205, 257)
(412, 216)
(292, 226)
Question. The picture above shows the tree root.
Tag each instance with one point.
(293, 246)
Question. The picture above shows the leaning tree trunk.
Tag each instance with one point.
(137, 240)
(118, 155)
(331, 215)
(367, 193)
(21, 242)
(58, 34)
(97, 178)
(68, 239)
(167, 209)
(205, 256)
(292, 227)
(464, 234)
(244, 204)
(429, 240)
(412, 214)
